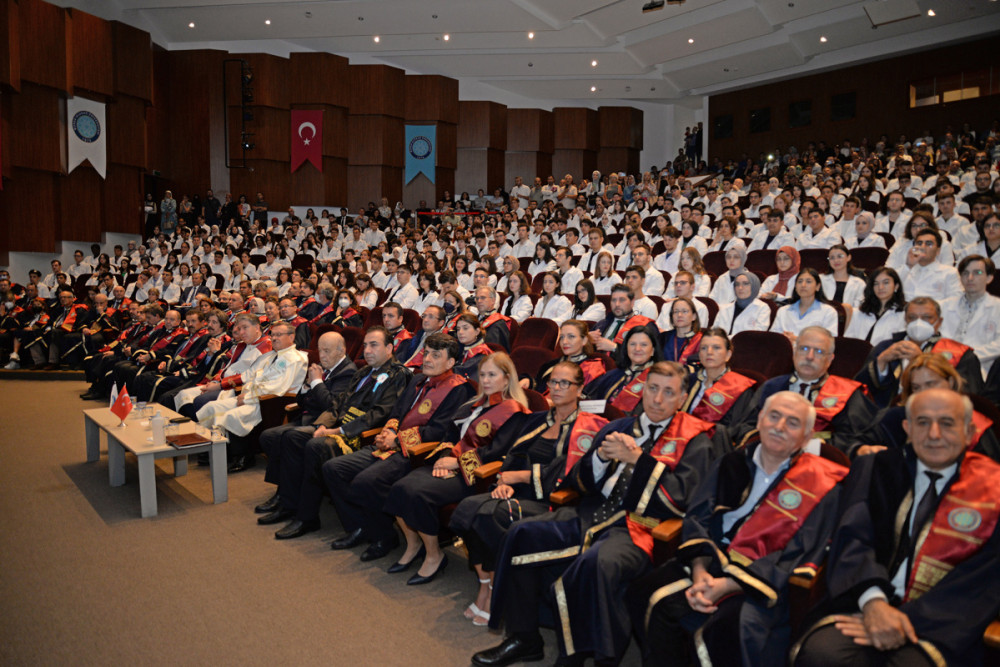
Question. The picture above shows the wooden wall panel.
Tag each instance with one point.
(123, 197)
(30, 207)
(91, 53)
(377, 90)
(267, 176)
(271, 134)
(158, 115)
(447, 149)
(127, 131)
(482, 125)
(479, 168)
(530, 130)
(431, 98)
(82, 205)
(6, 128)
(132, 52)
(367, 183)
(10, 44)
(618, 159)
(576, 128)
(620, 127)
(39, 141)
(318, 78)
(309, 186)
(270, 84)
(376, 140)
(579, 163)
(45, 56)
(195, 136)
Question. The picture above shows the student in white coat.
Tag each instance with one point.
(989, 245)
(551, 304)
(864, 235)
(842, 284)
(923, 274)
(427, 295)
(605, 277)
(746, 312)
(808, 309)
(722, 292)
(882, 312)
(518, 305)
(781, 285)
(586, 307)
(973, 317)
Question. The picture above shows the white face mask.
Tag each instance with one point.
(919, 330)
(343, 303)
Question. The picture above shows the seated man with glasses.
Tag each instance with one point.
(842, 409)
(885, 363)
(974, 316)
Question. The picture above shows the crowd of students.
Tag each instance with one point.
(412, 319)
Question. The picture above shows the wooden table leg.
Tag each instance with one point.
(147, 484)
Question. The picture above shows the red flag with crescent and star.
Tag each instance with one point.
(122, 405)
(307, 138)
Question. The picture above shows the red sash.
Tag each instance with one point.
(785, 508)
(592, 368)
(669, 449)
(168, 338)
(981, 423)
(950, 349)
(690, 348)
(223, 338)
(326, 311)
(192, 339)
(831, 399)
(399, 338)
(481, 432)
(581, 437)
(69, 323)
(407, 430)
(719, 398)
(629, 395)
(964, 520)
(263, 345)
(481, 348)
(297, 320)
(630, 323)
(494, 318)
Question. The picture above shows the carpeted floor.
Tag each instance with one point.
(85, 580)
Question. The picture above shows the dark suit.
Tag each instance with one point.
(189, 294)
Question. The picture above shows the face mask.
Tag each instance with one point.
(449, 307)
(343, 303)
(919, 330)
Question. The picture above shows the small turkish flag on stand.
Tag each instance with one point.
(307, 138)
(122, 405)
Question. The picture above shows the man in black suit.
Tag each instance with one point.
(190, 294)
(333, 426)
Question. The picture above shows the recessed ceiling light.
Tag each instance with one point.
(593, 89)
(690, 40)
(930, 12)
(267, 21)
(191, 24)
(823, 39)
(446, 37)
(593, 63)
(531, 35)
(376, 39)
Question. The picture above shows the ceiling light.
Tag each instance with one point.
(593, 89)
(531, 35)
(930, 12)
(823, 39)
(593, 63)
(690, 40)
(447, 37)
(376, 39)
(267, 21)
(191, 24)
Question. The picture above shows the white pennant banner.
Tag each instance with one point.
(87, 134)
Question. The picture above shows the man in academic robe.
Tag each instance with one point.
(887, 360)
(162, 349)
(104, 321)
(638, 472)
(64, 318)
(359, 482)
(843, 412)
(392, 320)
(185, 371)
(765, 512)
(609, 333)
(912, 571)
(496, 326)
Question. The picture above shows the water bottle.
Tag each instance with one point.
(158, 425)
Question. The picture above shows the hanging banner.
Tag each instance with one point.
(87, 134)
(307, 138)
(421, 145)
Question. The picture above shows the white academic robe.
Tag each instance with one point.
(755, 317)
(242, 364)
(854, 291)
(981, 332)
(881, 328)
(275, 373)
(558, 309)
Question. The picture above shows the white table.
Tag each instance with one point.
(135, 438)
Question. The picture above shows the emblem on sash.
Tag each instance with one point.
(483, 428)
(946, 355)
(670, 447)
(638, 387)
(829, 402)
(716, 399)
(584, 442)
(789, 499)
(964, 520)
(425, 407)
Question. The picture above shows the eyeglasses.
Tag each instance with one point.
(968, 273)
(561, 384)
(817, 351)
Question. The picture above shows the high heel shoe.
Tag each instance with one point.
(400, 566)
(418, 579)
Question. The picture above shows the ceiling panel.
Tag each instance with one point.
(731, 28)
(767, 59)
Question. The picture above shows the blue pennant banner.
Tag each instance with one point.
(421, 144)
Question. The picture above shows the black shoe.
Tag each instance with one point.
(241, 463)
(512, 649)
(380, 548)
(91, 396)
(268, 505)
(276, 516)
(352, 539)
(419, 579)
(403, 567)
(297, 528)
(203, 460)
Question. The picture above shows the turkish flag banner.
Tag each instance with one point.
(307, 138)
(122, 405)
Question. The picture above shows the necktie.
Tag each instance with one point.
(364, 380)
(925, 510)
(617, 495)
(614, 330)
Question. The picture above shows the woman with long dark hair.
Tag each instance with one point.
(882, 310)
(623, 385)
(807, 308)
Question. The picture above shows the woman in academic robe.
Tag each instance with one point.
(622, 387)
(681, 343)
(576, 346)
(469, 332)
(715, 392)
(545, 445)
(416, 500)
